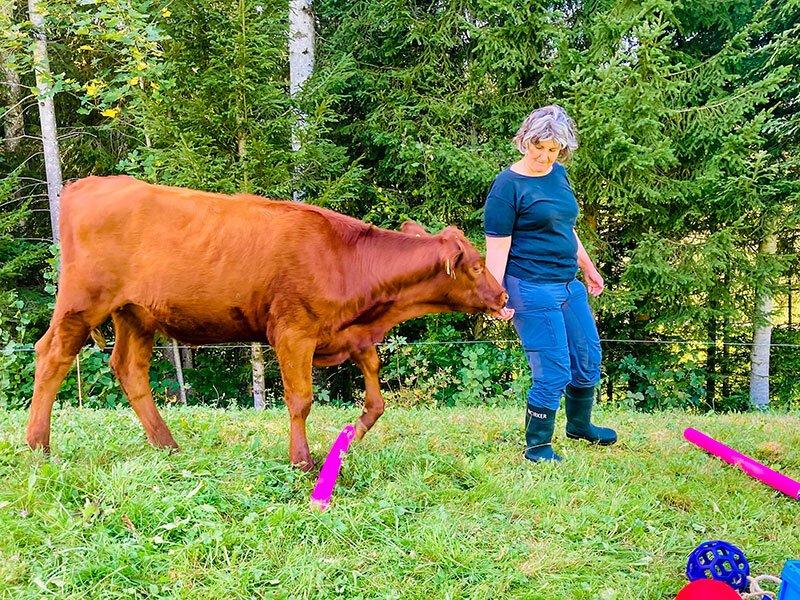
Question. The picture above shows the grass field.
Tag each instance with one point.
(431, 504)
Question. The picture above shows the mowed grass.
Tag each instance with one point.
(431, 504)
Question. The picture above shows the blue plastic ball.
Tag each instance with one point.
(720, 561)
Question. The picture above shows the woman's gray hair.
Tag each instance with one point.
(548, 123)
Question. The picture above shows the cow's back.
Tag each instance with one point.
(129, 224)
(127, 213)
(183, 254)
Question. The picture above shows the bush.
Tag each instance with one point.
(454, 373)
(651, 384)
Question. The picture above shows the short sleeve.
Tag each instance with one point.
(565, 175)
(499, 212)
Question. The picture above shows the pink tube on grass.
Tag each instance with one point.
(755, 469)
(321, 496)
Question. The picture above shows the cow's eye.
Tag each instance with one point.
(477, 269)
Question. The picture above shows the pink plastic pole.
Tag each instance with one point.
(755, 469)
(321, 496)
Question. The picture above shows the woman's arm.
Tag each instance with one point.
(496, 258)
(594, 281)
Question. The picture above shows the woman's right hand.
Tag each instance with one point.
(505, 314)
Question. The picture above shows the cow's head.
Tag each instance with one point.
(468, 285)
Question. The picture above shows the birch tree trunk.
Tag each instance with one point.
(187, 358)
(258, 376)
(47, 115)
(14, 123)
(13, 120)
(301, 62)
(762, 337)
(176, 353)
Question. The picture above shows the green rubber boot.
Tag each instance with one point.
(579, 418)
(539, 426)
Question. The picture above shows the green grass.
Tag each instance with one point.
(431, 504)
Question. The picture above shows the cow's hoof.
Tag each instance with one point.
(164, 440)
(304, 465)
(169, 445)
(171, 449)
(39, 443)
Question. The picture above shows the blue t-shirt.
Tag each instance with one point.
(539, 213)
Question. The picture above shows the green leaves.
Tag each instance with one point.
(687, 117)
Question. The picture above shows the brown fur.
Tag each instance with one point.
(318, 286)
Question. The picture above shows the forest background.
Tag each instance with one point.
(687, 172)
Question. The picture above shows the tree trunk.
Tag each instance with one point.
(176, 353)
(258, 376)
(301, 63)
(47, 115)
(762, 337)
(187, 358)
(14, 122)
(301, 51)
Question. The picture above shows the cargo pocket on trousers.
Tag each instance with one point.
(535, 330)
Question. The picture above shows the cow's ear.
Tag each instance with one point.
(414, 228)
(452, 251)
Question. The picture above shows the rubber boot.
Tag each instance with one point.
(578, 402)
(539, 426)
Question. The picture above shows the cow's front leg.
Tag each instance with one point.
(294, 356)
(369, 363)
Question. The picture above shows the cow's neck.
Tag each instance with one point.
(400, 278)
(389, 262)
(392, 263)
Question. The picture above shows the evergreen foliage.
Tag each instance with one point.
(689, 121)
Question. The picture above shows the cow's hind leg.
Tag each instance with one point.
(369, 363)
(55, 352)
(295, 355)
(130, 360)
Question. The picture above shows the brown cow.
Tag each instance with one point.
(319, 286)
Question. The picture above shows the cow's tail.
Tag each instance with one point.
(98, 338)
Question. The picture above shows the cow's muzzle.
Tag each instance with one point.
(494, 311)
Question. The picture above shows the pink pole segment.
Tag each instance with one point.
(755, 469)
(321, 496)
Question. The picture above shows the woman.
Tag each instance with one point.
(532, 246)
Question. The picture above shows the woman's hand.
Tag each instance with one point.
(594, 281)
(505, 314)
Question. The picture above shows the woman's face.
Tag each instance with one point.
(541, 155)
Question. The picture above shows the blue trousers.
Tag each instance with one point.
(559, 336)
